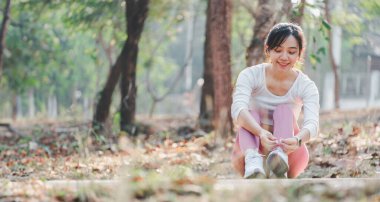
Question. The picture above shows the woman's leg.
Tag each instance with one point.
(298, 161)
(284, 127)
(244, 140)
(247, 140)
(283, 122)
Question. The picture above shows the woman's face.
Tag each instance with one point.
(286, 55)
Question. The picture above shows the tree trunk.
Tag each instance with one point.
(297, 16)
(86, 108)
(266, 15)
(19, 106)
(332, 59)
(52, 106)
(122, 62)
(136, 12)
(104, 103)
(265, 18)
(217, 89)
(74, 98)
(3, 31)
(106, 48)
(14, 107)
(189, 42)
(32, 108)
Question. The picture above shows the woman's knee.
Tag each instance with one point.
(298, 161)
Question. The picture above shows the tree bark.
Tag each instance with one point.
(265, 18)
(106, 48)
(189, 42)
(135, 17)
(332, 59)
(52, 106)
(3, 31)
(32, 108)
(105, 100)
(14, 107)
(136, 13)
(217, 89)
(297, 16)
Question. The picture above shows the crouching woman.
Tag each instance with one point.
(267, 101)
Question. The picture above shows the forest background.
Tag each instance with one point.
(88, 82)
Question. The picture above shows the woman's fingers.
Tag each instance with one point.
(289, 141)
(271, 137)
(268, 143)
(289, 148)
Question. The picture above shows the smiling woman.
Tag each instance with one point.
(267, 101)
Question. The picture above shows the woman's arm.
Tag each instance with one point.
(310, 97)
(247, 121)
(245, 84)
(311, 107)
(304, 135)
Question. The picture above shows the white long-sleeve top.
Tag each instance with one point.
(251, 93)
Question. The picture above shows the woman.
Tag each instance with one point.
(267, 101)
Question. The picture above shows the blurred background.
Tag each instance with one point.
(57, 57)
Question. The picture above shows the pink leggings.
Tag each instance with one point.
(284, 126)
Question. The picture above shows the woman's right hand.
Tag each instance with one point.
(267, 140)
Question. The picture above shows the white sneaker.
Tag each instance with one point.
(253, 165)
(277, 163)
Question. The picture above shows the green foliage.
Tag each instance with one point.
(90, 14)
(56, 47)
(319, 41)
(50, 55)
(163, 47)
(372, 8)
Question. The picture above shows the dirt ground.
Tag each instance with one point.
(172, 160)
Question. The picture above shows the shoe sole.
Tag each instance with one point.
(257, 175)
(277, 166)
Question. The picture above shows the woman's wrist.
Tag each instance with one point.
(262, 133)
(303, 135)
(299, 140)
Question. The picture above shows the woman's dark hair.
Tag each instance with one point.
(280, 32)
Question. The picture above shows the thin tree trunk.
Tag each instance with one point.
(104, 103)
(207, 96)
(106, 48)
(3, 31)
(217, 89)
(32, 108)
(103, 106)
(14, 107)
(52, 106)
(86, 108)
(297, 16)
(185, 68)
(189, 43)
(265, 18)
(136, 13)
(332, 59)
(74, 100)
(19, 106)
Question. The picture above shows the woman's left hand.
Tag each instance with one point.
(289, 145)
